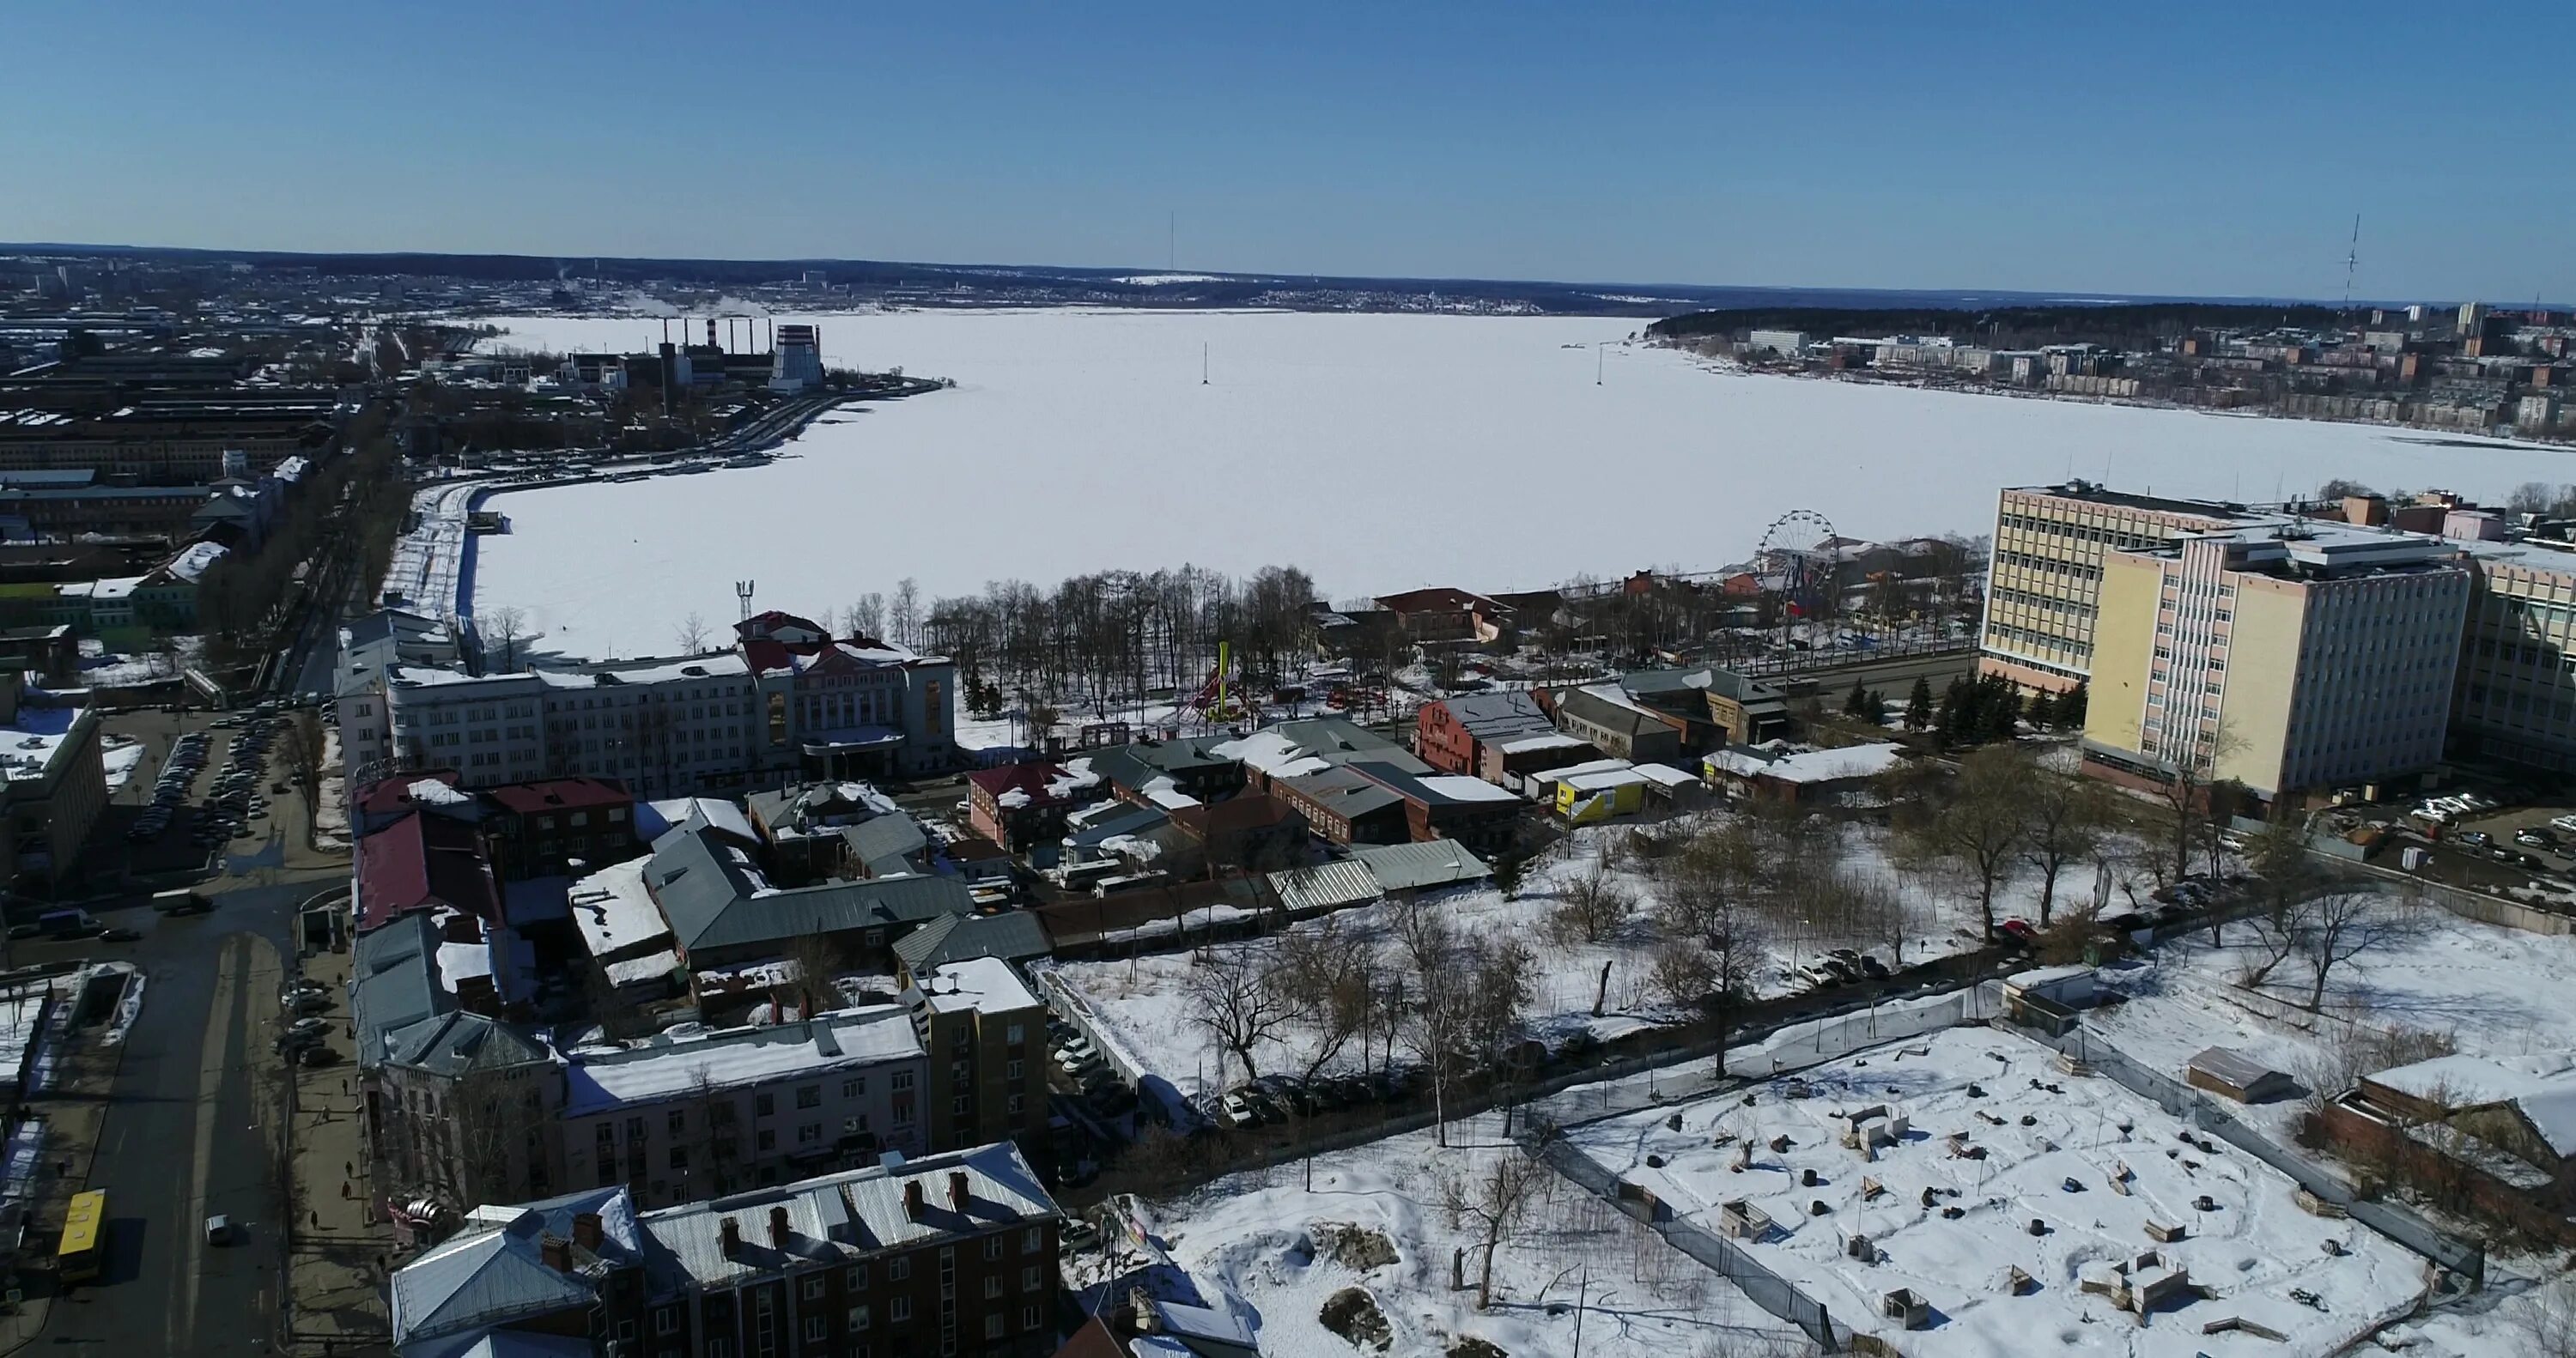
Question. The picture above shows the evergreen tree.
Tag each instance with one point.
(1856, 702)
(1874, 708)
(1918, 705)
(2070, 707)
(2041, 710)
(2002, 710)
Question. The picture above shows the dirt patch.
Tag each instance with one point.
(1352, 1313)
(1356, 1248)
(1472, 1347)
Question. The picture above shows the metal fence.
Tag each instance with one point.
(1763, 1287)
(2465, 1258)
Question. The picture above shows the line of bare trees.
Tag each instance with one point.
(1454, 1002)
(1095, 636)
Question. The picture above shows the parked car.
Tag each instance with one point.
(118, 933)
(2473, 839)
(2019, 930)
(2535, 839)
(1237, 1111)
(1873, 968)
(1817, 975)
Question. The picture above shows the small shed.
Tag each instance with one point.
(1906, 1307)
(2071, 986)
(2228, 1071)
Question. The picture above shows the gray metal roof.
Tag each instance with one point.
(1416, 867)
(394, 983)
(492, 1272)
(1012, 936)
(886, 843)
(456, 1043)
(1326, 886)
(1346, 792)
(714, 899)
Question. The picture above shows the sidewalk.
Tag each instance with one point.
(49, 1155)
(337, 1246)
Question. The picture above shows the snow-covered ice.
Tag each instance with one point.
(2047, 1147)
(1083, 440)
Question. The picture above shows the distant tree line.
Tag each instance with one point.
(2133, 325)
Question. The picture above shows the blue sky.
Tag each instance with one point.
(2170, 148)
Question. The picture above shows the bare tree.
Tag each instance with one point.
(903, 617)
(1682, 973)
(1976, 824)
(1491, 1203)
(1233, 997)
(1702, 905)
(2185, 790)
(1594, 906)
(1333, 979)
(2066, 818)
(302, 752)
(692, 634)
(2342, 925)
(501, 630)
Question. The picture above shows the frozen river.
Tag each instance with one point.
(1379, 452)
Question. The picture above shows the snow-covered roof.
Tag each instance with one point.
(2464, 1081)
(615, 911)
(432, 792)
(1602, 780)
(598, 1080)
(981, 983)
(197, 558)
(1460, 788)
(2046, 976)
(1553, 740)
(1806, 766)
(1665, 774)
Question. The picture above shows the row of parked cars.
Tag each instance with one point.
(303, 1037)
(236, 800)
(1108, 1096)
(1277, 1098)
(1843, 965)
(187, 760)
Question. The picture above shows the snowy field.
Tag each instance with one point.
(1145, 1003)
(1080, 441)
(2492, 991)
(2040, 1130)
(1261, 1245)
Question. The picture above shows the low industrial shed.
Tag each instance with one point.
(2225, 1070)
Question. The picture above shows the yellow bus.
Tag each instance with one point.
(84, 1237)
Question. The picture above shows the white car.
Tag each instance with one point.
(1238, 1111)
(2566, 823)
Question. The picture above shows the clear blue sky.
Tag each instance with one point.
(2167, 148)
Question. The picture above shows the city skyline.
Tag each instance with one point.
(2172, 154)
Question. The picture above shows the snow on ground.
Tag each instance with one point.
(2493, 991)
(1077, 441)
(102, 668)
(121, 755)
(1264, 1245)
(1145, 1003)
(2040, 1129)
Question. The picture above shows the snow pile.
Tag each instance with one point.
(197, 559)
(1087, 417)
(432, 792)
(2008, 1162)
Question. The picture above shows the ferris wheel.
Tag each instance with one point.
(1797, 563)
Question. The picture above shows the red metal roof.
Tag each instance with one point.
(559, 794)
(420, 863)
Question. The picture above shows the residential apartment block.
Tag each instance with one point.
(2044, 583)
(467, 1108)
(949, 1254)
(2300, 655)
(984, 1033)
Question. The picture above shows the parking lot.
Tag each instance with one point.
(2487, 840)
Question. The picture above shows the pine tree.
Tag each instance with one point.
(2002, 710)
(1856, 702)
(1918, 705)
(2070, 707)
(2041, 710)
(1874, 708)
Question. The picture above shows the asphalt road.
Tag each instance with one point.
(190, 1132)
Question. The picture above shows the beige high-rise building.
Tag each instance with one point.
(2515, 698)
(2045, 581)
(2283, 656)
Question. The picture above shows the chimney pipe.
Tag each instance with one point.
(731, 1233)
(912, 1206)
(556, 1253)
(779, 1234)
(958, 1194)
(585, 1231)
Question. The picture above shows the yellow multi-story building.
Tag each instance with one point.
(2044, 583)
(2285, 656)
